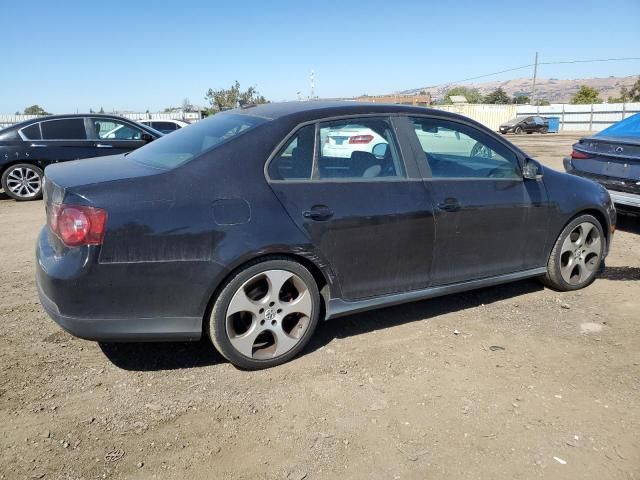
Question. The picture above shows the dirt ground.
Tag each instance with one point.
(535, 384)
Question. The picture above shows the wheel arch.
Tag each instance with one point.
(322, 276)
(598, 215)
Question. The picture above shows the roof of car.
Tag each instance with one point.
(69, 115)
(325, 108)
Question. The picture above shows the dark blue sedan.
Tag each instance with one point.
(612, 158)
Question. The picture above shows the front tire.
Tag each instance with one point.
(265, 315)
(23, 182)
(518, 130)
(576, 256)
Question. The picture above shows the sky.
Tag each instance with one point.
(69, 56)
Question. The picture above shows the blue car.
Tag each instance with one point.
(612, 158)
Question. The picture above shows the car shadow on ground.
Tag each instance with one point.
(171, 356)
(161, 355)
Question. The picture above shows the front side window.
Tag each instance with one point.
(185, 144)
(65, 129)
(362, 148)
(108, 129)
(454, 150)
(294, 161)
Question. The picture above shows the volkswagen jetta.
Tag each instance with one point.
(246, 229)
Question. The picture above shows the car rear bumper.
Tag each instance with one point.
(623, 199)
(124, 329)
(158, 301)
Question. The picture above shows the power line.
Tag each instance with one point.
(531, 65)
(591, 61)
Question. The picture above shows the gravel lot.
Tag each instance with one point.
(536, 384)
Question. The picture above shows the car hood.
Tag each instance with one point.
(97, 170)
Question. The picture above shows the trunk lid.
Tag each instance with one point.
(62, 178)
(615, 158)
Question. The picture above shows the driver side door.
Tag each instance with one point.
(489, 220)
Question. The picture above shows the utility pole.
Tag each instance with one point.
(535, 74)
(312, 85)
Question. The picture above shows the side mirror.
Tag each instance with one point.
(531, 170)
(380, 150)
(146, 137)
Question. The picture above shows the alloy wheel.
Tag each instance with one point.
(24, 182)
(269, 314)
(581, 253)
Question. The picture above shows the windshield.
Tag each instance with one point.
(629, 127)
(185, 144)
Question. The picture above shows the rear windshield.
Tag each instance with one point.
(185, 144)
(629, 127)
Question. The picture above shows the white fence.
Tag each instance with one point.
(489, 115)
(594, 117)
(8, 120)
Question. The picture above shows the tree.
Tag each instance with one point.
(586, 95)
(101, 110)
(634, 92)
(521, 99)
(471, 94)
(498, 96)
(226, 98)
(186, 105)
(35, 110)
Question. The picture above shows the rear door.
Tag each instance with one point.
(489, 220)
(367, 214)
(62, 139)
(112, 136)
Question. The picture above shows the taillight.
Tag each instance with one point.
(77, 225)
(360, 139)
(576, 155)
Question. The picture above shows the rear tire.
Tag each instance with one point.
(265, 314)
(577, 255)
(23, 182)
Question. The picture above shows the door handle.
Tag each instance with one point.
(450, 205)
(104, 145)
(318, 212)
(37, 145)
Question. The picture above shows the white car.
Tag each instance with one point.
(165, 126)
(342, 141)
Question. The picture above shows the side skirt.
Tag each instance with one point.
(338, 307)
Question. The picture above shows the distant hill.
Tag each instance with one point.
(552, 89)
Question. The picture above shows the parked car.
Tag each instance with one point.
(241, 229)
(165, 126)
(28, 147)
(612, 158)
(520, 125)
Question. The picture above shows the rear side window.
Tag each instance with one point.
(32, 132)
(358, 149)
(295, 159)
(66, 129)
